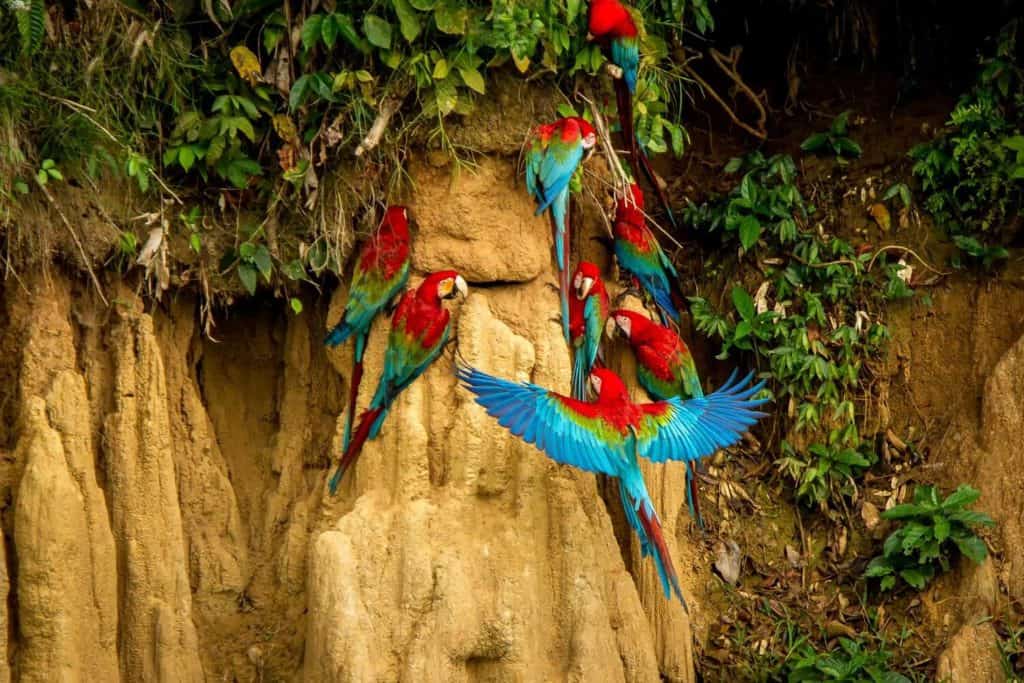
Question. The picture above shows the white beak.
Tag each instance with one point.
(584, 289)
(461, 287)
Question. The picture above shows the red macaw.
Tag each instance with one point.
(608, 434)
(618, 29)
(380, 274)
(419, 332)
(588, 313)
(640, 255)
(556, 150)
(665, 369)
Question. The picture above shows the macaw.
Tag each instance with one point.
(419, 332)
(665, 369)
(640, 255)
(556, 150)
(588, 313)
(380, 274)
(618, 30)
(608, 434)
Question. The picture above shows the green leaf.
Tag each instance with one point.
(814, 142)
(904, 511)
(329, 31)
(970, 518)
(195, 242)
(423, 5)
(750, 232)
(408, 20)
(878, 566)
(848, 147)
(972, 547)
(441, 69)
(572, 10)
(300, 88)
(743, 302)
(248, 274)
(734, 165)
(263, 261)
(940, 527)
(296, 305)
(473, 79)
(962, 497)
(1016, 143)
(915, 577)
(311, 32)
(913, 534)
(451, 17)
(445, 96)
(377, 30)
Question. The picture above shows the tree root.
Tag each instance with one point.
(387, 109)
(730, 66)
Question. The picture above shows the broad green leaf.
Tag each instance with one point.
(300, 88)
(473, 79)
(248, 274)
(940, 527)
(377, 30)
(973, 547)
(263, 262)
(743, 302)
(451, 17)
(572, 10)
(329, 31)
(915, 577)
(750, 232)
(878, 567)
(904, 511)
(1016, 143)
(913, 534)
(423, 5)
(970, 517)
(848, 147)
(441, 69)
(814, 142)
(962, 497)
(312, 30)
(445, 96)
(734, 165)
(408, 20)
(296, 305)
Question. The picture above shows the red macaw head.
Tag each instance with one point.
(586, 278)
(630, 322)
(571, 126)
(587, 132)
(610, 19)
(631, 212)
(608, 386)
(396, 219)
(444, 284)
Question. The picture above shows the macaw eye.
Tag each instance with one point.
(445, 287)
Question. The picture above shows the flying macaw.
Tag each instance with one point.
(665, 369)
(556, 150)
(608, 434)
(419, 332)
(380, 274)
(618, 30)
(588, 313)
(640, 255)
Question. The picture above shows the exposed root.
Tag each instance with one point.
(387, 110)
(78, 242)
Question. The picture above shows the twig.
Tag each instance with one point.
(78, 242)
(621, 179)
(760, 132)
(906, 250)
(387, 109)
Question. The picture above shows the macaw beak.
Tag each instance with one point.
(461, 287)
(610, 327)
(595, 383)
(584, 289)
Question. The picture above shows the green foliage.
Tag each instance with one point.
(766, 200)
(931, 531)
(30, 16)
(972, 174)
(983, 255)
(852, 662)
(48, 171)
(833, 140)
(807, 324)
(901, 190)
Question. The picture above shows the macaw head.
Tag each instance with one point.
(444, 284)
(630, 322)
(587, 133)
(607, 385)
(631, 209)
(609, 18)
(587, 275)
(396, 219)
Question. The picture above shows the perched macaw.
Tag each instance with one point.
(640, 255)
(618, 30)
(380, 274)
(608, 434)
(588, 313)
(556, 150)
(419, 332)
(665, 369)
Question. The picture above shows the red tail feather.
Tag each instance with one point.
(353, 395)
(653, 529)
(355, 447)
(624, 101)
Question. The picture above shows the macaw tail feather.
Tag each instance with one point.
(644, 521)
(666, 307)
(559, 218)
(692, 501)
(370, 419)
(353, 395)
(580, 375)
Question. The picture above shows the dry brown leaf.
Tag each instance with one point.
(881, 215)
